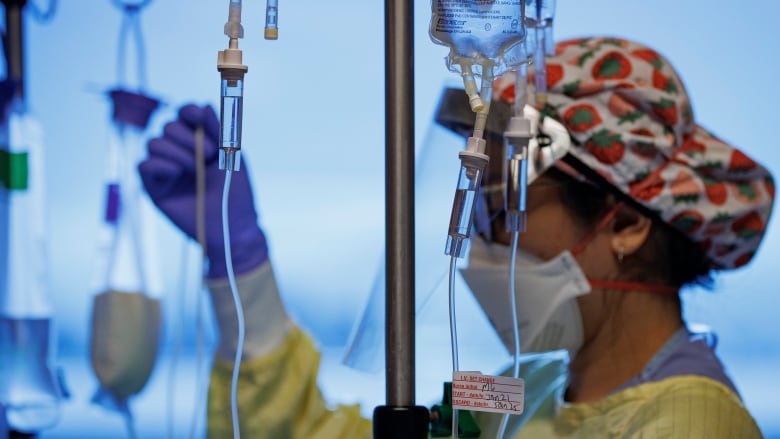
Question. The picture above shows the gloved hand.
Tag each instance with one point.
(168, 174)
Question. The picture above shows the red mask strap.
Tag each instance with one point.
(603, 223)
(633, 286)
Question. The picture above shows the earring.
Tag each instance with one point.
(620, 254)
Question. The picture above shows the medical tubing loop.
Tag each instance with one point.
(453, 336)
(515, 324)
(239, 308)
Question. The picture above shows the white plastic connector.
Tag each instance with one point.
(518, 131)
(230, 62)
(233, 28)
(475, 145)
(470, 84)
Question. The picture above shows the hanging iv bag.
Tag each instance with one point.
(29, 393)
(479, 34)
(125, 328)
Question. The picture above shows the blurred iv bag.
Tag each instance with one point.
(480, 35)
(29, 393)
(125, 319)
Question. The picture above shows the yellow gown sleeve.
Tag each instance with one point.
(278, 397)
(689, 406)
(681, 407)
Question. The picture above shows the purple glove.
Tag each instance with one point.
(168, 174)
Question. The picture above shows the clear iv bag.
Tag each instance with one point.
(29, 393)
(479, 33)
(123, 313)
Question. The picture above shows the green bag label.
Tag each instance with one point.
(13, 170)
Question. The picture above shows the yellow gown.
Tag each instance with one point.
(278, 397)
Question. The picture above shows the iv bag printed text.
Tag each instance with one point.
(487, 393)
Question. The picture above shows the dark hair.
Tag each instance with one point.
(667, 257)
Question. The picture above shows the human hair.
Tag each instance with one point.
(666, 257)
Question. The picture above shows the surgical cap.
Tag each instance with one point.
(631, 122)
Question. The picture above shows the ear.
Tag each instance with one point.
(630, 231)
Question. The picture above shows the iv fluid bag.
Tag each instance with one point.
(478, 32)
(29, 392)
(22, 234)
(125, 326)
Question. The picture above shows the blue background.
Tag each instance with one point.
(313, 135)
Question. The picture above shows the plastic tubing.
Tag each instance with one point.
(486, 94)
(239, 308)
(453, 337)
(470, 85)
(515, 328)
(521, 77)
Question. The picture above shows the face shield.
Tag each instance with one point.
(435, 179)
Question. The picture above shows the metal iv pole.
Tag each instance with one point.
(14, 38)
(399, 418)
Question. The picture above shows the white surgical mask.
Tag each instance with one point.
(545, 295)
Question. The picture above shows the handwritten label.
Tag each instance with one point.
(487, 393)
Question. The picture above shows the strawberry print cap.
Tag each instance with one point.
(631, 121)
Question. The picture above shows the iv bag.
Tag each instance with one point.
(479, 33)
(29, 393)
(125, 319)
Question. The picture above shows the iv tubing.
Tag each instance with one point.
(521, 76)
(540, 70)
(129, 424)
(239, 308)
(486, 94)
(515, 326)
(470, 86)
(453, 337)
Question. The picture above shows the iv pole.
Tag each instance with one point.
(399, 418)
(14, 49)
